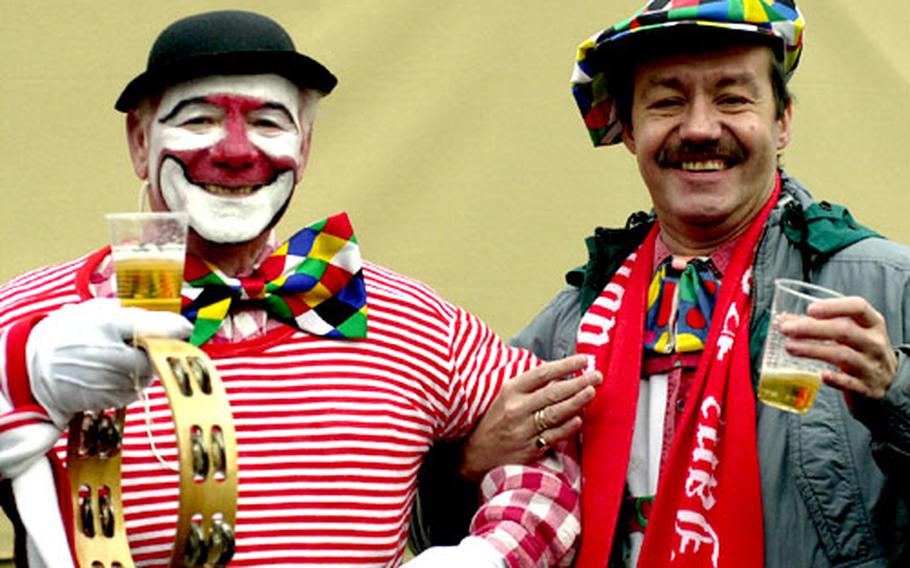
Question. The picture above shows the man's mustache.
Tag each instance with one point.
(675, 153)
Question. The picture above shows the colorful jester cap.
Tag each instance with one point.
(778, 22)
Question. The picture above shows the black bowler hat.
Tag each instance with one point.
(226, 42)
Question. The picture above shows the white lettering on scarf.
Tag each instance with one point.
(600, 319)
(746, 282)
(725, 341)
(692, 527)
(600, 336)
(731, 322)
(699, 532)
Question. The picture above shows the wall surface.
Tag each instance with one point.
(452, 138)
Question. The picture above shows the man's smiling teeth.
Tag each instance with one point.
(706, 165)
(222, 190)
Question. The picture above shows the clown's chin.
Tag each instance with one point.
(226, 219)
(230, 229)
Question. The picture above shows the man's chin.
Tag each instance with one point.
(699, 213)
(703, 220)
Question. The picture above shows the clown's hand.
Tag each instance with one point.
(80, 357)
(472, 551)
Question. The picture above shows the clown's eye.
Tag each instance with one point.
(197, 123)
(271, 122)
(266, 123)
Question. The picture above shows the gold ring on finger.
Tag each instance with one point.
(540, 420)
(541, 443)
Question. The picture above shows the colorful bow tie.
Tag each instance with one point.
(698, 286)
(313, 282)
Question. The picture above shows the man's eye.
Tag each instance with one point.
(732, 100)
(665, 103)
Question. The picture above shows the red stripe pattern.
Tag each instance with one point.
(331, 433)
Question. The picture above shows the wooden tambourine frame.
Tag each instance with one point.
(207, 450)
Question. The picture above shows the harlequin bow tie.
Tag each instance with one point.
(313, 282)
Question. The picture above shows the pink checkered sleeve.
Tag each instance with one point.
(532, 514)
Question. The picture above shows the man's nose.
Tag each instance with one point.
(235, 150)
(700, 122)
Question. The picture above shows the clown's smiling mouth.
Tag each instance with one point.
(240, 191)
(225, 208)
(219, 189)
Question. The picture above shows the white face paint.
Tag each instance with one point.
(226, 149)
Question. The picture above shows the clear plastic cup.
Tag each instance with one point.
(148, 250)
(789, 382)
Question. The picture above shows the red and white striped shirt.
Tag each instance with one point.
(330, 433)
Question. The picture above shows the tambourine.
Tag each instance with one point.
(207, 450)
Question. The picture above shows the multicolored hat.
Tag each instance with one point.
(779, 22)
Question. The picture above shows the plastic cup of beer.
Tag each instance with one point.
(148, 250)
(789, 382)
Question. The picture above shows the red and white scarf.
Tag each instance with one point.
(707, 511)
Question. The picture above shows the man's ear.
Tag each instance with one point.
(305, 143)
(628, 138)
(137, 138)
(785, 124)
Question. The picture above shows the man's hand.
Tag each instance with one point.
(850, 334)
(79, 357)
(532, 412)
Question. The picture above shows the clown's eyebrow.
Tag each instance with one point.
(180, 106)
(187, 102)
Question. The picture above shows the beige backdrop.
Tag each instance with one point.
(452, 138)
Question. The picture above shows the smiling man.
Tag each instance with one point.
(706, 134)
(341, 374)
(681, 465)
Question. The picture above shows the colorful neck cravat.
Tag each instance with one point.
(679, 323)
(313, 282)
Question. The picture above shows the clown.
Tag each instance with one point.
(225, 146)
(338, 387)
(228, 150)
